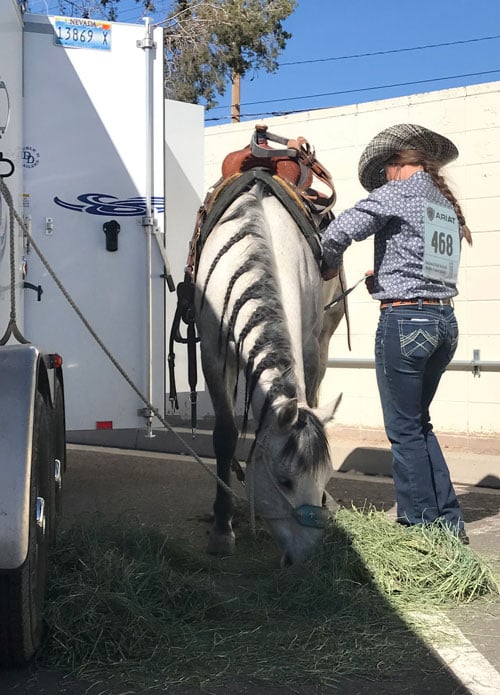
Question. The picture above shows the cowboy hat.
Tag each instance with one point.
(404, 136)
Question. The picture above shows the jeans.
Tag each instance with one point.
(413, 346)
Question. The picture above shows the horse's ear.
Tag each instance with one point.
(327, 412)
(287, 413)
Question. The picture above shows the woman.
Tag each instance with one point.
(418, 226)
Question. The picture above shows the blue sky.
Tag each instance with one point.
(351, 51)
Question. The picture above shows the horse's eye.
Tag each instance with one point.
(285, 482)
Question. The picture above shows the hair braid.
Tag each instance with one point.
(432, 167)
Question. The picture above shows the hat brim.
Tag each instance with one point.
(405, 136)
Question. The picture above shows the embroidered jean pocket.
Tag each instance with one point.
(418, 337)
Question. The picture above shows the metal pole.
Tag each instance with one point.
(475, 366)
(148, 222)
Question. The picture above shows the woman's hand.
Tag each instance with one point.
(370, 281)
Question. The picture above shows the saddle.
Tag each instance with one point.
(296, 164)
(289, 172)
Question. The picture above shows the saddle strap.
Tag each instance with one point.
(184, 312)
(300, 151)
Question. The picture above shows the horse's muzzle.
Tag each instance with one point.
(311, 515)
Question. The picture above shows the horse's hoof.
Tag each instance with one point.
(221, 543)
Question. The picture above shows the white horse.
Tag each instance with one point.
(259, 302)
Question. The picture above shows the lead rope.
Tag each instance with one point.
(12, 328)
(13, 214)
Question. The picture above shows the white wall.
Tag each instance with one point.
(470, 117)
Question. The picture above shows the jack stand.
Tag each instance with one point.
(148, 414)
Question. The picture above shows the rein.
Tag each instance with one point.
(344, 294)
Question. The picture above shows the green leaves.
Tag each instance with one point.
(206, 43)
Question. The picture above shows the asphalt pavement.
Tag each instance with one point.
(174, 492)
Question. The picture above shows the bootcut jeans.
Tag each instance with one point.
(413, 346)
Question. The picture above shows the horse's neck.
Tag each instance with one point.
(300, 287)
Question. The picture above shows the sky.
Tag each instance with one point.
(352, 51)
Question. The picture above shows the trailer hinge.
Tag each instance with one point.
(146, 42)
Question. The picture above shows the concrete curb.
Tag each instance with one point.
(471, 461)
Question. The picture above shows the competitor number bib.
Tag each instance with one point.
(441, 243)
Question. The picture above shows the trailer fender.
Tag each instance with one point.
(19, 369)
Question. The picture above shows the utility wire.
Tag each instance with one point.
(351, 91)
(394, 50)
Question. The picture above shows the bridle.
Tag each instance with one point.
(309, 515)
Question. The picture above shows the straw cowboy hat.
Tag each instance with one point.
(404, 136)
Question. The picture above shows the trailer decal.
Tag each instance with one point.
(31, 157)
(103, 204)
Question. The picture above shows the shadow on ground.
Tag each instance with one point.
(176, 497)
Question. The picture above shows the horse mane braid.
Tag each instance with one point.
(272, 347)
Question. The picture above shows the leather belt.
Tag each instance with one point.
(407, 302)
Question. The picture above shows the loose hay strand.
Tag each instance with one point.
(126, 603)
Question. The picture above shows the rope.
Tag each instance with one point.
(12, 328)
(13, 214)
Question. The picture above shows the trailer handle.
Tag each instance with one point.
(37, 288)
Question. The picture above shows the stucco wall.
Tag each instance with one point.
(470, 116)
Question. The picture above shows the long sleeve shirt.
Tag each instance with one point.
(394, 214)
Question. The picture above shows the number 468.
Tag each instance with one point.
(442, 243)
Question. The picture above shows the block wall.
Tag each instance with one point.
(470, 116)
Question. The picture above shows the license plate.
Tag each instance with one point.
(82, 33)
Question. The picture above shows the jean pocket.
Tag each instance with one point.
(418, 337)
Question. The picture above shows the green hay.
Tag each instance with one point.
(125, 604)
(418, 564)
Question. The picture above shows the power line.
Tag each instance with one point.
(394, 50)
(352, 91)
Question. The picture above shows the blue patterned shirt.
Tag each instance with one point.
(394, 213)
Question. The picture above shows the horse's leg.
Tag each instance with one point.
(225, 436)
(220, 384)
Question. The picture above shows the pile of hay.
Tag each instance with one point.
(417, 564)
(128, 605)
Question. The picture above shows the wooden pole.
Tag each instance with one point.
(235, 99)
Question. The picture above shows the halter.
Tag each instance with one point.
(310, 515)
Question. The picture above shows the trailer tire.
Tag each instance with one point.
(22, 591)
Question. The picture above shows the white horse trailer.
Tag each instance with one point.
(32, 442)
(113, 181)
(91, 157)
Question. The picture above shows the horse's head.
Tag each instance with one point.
(287, 474)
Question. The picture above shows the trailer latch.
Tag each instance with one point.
(111, 229)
